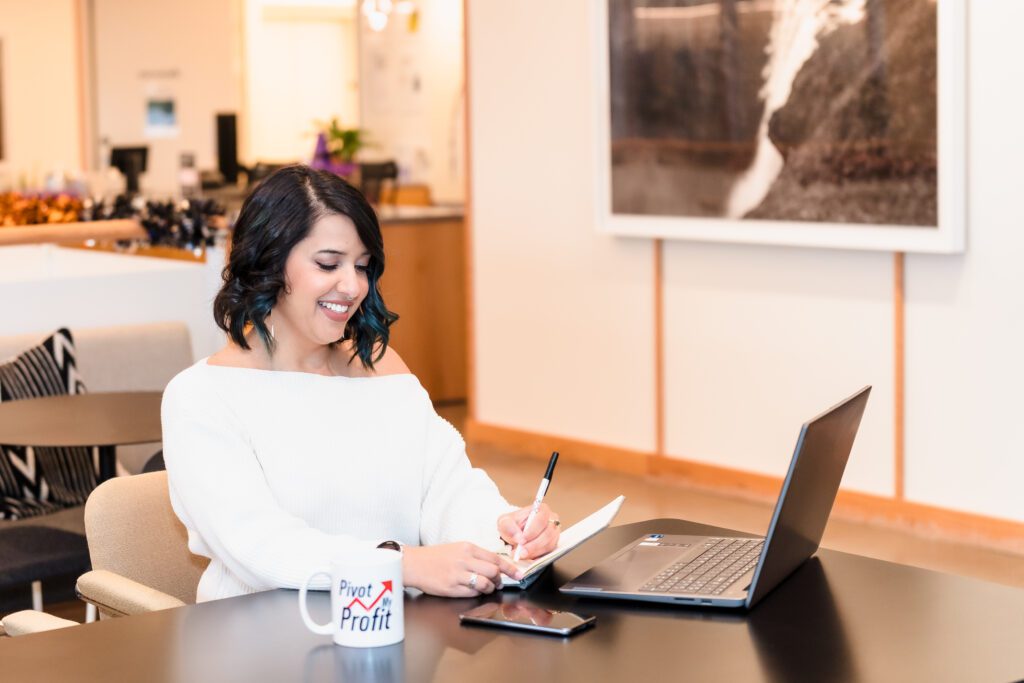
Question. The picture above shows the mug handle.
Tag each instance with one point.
(323, 629)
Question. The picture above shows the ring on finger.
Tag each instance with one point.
(472, 580)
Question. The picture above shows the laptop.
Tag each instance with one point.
(737, 572)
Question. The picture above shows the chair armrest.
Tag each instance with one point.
(115, 595)
(30, 621)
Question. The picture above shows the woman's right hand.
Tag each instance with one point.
(447, 570)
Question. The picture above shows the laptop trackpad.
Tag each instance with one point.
(630, 568)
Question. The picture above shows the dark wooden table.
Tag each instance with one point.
(839, 618)
(105, 420)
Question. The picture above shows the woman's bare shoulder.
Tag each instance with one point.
(390, 364)
(234, 356)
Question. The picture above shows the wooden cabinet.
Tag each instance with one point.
(425, 283)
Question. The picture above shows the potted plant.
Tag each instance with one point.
(336, 148)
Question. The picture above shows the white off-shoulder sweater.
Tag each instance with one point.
(275, 473)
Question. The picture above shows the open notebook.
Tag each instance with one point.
(569, 539)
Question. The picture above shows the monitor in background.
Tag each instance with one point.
(227, 147)
(130, 161)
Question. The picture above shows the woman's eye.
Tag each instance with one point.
(327, 266)
(363, 269)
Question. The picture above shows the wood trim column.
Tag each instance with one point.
(468, 222)
(899, 371)
(659, 351)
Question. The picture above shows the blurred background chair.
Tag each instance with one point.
(407, 195)
(155, 463)
(122, 358)
(33, 551)
(377, 178)
(259, 171)
(139, 549)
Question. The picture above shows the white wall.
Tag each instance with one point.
(412, 96)
(965, 315)
(189, 51)
(759, 339)
(564, 316)
(40, 96)
(301, 67)
(756, 339)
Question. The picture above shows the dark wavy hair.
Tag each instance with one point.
(279, 214)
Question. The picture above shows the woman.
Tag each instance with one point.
(306, 436)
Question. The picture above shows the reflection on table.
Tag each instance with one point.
(840, 617)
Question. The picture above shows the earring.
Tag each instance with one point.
(272, 335)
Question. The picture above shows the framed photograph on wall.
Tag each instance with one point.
(827, 123)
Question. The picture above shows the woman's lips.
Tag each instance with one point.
(336, 310)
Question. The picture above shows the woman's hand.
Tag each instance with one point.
(449, 570)
(540, 539)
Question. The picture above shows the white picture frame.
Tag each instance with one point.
(948, 237)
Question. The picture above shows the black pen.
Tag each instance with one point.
(541, 490)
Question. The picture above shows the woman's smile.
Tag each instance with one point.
(338, 311)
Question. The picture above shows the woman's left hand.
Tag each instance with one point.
(539, 539)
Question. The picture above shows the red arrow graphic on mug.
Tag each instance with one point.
(386, 589)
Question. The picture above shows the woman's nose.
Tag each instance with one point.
(348, 282)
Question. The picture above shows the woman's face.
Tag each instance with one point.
(326, 281)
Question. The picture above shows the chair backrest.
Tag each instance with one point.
(406, 195)
(141, 357)
(133, 531)
(132, 357)
(373, 177)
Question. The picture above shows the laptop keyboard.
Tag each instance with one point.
(723, 561)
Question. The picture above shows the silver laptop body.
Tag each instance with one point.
(736, 572)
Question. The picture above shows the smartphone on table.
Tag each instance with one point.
(521, 616)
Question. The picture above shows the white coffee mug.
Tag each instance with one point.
(366, 599)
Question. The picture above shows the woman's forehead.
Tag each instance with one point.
(334, 232)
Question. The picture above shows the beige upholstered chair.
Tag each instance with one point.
(139, 549)
(123, 358)
(29, 621)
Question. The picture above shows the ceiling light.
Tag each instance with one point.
(377, 20)
(377, 12)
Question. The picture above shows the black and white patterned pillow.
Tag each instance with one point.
(36, 481)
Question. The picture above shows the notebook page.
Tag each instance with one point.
(569, 539)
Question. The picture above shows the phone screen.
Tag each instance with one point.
(526, 617)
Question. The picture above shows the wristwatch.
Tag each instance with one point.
(391, 545)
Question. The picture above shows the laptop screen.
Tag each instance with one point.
(808, 493)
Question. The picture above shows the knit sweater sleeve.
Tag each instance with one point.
(460, 502)
(219, 491)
